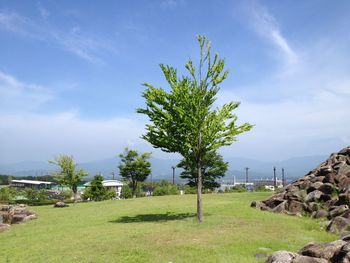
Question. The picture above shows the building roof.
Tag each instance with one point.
(108, 183)
(31, 182)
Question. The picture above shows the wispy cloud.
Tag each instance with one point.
(18, 96)
(267, 27)
(88, 47)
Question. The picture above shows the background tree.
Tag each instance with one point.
(68, 174)
(96, 191)
(134, 167)
(183, 120)
(213, 168)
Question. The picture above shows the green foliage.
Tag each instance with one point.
(68, 174)
(67, 194)
(183, 120)
(96, 191)
(134, 168)
(7, 194)
(126, 192)
(35, 195)
(165, 188)
(236, 189)
(213, 167)
(190, 190)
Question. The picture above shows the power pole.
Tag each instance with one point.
(112, 175)
(173, 167)
(274, 177)
(283, 177)
(246, 175)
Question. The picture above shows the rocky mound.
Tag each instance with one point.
(335, 252)
(323, 193)
(10, 214)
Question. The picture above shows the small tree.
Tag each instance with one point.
(68, 174)
(184, 121)
(96, 191)
(134, 167)
(213, 168)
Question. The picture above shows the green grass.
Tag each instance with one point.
(158, 229)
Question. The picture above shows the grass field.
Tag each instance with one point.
(158, 229)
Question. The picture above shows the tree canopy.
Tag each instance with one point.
(68, 175)
(134, 167)
(184, 119)
(213, 168)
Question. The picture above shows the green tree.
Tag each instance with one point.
(96, 191)
(134, 167)
(68, 175)
(183, 120)
(213, 168)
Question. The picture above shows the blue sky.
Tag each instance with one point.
(71, 73)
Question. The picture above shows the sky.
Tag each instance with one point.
(71, 73)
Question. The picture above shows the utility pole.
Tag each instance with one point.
(274, 177)
(112, 175)
(246, 175)
(283, 177)
(173, 167)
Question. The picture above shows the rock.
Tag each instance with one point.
(325, 250)
(306, 259)
(280, 208)
(4, 227)
(296, 207)
(289, 257)
(29, 217)
(338, 225)
(314, 196)
(319, 214)
(343, 199)
(60, 204)
(337, 210)
(346, 214)
(18, 218)
(326, 188)
(281, 257)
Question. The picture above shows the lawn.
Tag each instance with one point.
(158, 229)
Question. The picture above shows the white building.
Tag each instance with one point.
(21, 184)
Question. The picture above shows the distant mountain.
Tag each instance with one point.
(161, 168)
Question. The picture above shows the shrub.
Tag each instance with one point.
(126, 192)
(165, 188)
(7, 194)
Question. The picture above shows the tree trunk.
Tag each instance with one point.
(75, 193)
(199, 193)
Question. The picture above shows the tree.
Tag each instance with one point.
(183, 120)
(97, 191)
(134, 167)
(68, 175)
(213, 167)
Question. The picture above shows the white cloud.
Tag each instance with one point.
(88, 47)
(18, 96)
(41, 137)
(267, 27)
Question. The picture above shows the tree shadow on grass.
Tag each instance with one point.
(153, 217)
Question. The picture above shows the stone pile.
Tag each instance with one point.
(322, 193)
(334, 252)
(14, 214)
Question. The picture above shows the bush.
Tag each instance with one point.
(126, 192)
(236, 189)
(165, 188)
(7, 194)
(67, 194)
(190, 190)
